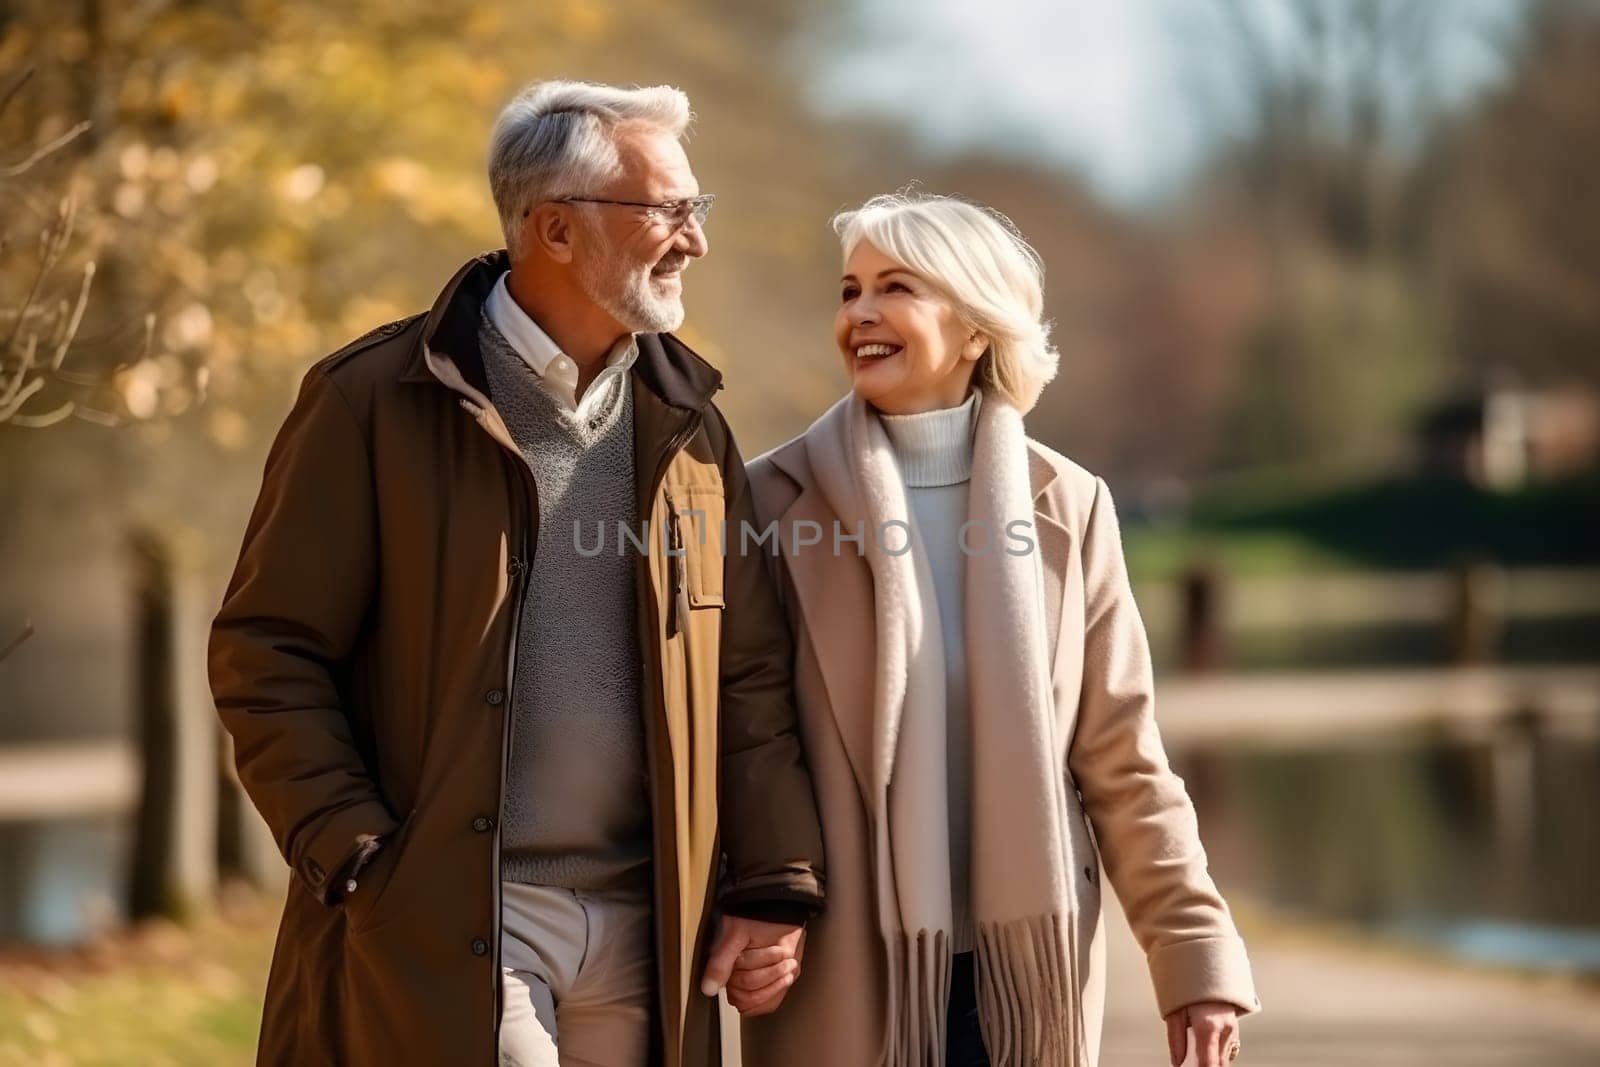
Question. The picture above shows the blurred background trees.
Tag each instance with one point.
(1362, 330)
(1522, 249)
(39, 330)
(279, 181)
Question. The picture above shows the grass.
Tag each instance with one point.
(157, 994)
(160, 995)
(1163, 553)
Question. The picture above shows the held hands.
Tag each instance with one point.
(1216, 1034)
(756, 961)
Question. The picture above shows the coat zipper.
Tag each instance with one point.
(518, 567)
(674, 446)
(674, 563)
(677, 572)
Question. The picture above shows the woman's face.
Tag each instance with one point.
(905, 348)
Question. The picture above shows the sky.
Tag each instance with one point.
(1128, 93)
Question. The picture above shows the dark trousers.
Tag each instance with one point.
(963, 1039)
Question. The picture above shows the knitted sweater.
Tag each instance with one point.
(576, 811)
(934, 452)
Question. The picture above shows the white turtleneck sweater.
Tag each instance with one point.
(934, 453)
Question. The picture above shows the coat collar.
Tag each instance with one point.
(448, 353)
(832, 588)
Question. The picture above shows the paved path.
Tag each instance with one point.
(1331, 1005)
(1318, 707)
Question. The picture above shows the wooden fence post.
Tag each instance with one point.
(172, 868)
(1471, 626)
(1201, 619)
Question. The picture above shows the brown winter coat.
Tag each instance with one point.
(361, 661)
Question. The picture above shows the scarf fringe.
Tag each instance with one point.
(920, 1001)
(1030, 997)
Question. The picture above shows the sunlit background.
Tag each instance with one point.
(1325, 276)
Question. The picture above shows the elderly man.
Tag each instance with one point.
(516, 779)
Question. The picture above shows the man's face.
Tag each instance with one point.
(630, 261)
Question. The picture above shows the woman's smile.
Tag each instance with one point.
(877, 350)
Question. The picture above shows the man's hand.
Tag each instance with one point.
(756, 961)
(1216, 1034)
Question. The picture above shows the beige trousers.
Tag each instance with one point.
(577, 977)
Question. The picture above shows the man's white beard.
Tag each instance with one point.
(623, 291)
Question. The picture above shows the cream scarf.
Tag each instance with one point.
(1022, 896)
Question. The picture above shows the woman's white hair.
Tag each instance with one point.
(980, 262)
(558, 138)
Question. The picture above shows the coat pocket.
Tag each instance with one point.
(699, 513)
(373, 880)
(1087, 858)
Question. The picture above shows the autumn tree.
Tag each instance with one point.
(1520, 237)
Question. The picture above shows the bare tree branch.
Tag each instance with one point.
(38, 422)
(43, 151)
(16, 86)
(24, 363)
(15, 404)
(95, 415)
(27, 632)
(41, 330)
(71, 323)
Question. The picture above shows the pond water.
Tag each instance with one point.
(1311, 646)
(60, 879)
(1491, 851)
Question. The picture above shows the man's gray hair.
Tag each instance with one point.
(558, 138)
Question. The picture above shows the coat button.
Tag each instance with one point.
(481, 824)
(494, 696)
(480, 947)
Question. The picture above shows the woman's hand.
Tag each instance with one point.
(1216, 1034)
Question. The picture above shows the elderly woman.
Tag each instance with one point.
(975, 693)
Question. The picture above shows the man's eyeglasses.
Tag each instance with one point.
(676, 212)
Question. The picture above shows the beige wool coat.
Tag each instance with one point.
(1137, 824)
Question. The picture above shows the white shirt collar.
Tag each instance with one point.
(556, 370)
